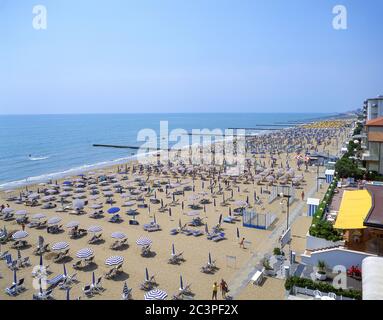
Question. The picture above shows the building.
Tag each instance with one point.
(374, 145)
(374, 108)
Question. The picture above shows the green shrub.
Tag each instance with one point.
(321, 286)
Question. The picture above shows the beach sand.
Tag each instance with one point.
(195, 249)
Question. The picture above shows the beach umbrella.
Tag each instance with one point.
(170, 212)
(7, 210)
(182, 205)
(94, 229)
(113, 210)
(179, 223)
(14, 276)
(67, 294)
(192, 213)
(125, 289)
(206, 228)
(143, 241)
(146, 274)
(237, 233)
(21, 213)
(54, 220)
(114, 261)
(93, 278)
(230, 211)
(96, 206)
(41, 261)
(181, 283)
(155, 294)
(118, 235)
(19, 235)
(58, 246)
(214, 202)
(72, 224)
(65, 273)
(209, 259)
(220, 219)
(67, 183)
(78, 204)
(154, 219)
(84, 253)
(173, 249)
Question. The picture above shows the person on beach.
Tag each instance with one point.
(224, 288)
(303, 195)
(215, 291)
(242, 243)
(23, 226)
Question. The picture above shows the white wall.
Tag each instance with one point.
(336, 256)
(314, 243)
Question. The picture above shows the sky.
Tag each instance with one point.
(122, 56)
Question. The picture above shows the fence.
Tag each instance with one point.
(310, 292)
(276, 190)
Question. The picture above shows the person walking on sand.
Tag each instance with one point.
(215, 291)
(303, 195)
(242, 243)
(23, 226)
(224, 288)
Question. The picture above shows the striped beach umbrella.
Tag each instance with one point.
(114, 261)
(54, 220)
(125, 289)
(143, 241)
(72, 224)
(181, 283)
(39, 216)
(155, 294)
(21, 213)
(96, 206)
(94, 229)
(14, 276)
(93, 278)
(19, 235)
(118, 235)
(84, 253)
(7, 210)
(65, 273)
(62, 245)
(173, 250)
(146, 274)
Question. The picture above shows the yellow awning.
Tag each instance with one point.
(353, 209)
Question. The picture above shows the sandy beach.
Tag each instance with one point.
(230, 259)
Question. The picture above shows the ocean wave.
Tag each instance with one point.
(38, 158)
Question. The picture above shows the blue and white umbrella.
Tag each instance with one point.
(144, 241)
(60, 246)
(65, 273)
(39, 216)
(72, 224)
(54, 220)
(19, 235)
(84, 253)
(67, 294)
(96, 206)
(21, 213)
(181, 283)
(125, 289)
(146, 274)
(118, 235)
(113, 210)
(7, 210)
(114, 261)
(173, 250)
(94, 229)
(155, 294)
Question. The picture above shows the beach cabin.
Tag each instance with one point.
(312, 204)
(329, 174)
(251, 219)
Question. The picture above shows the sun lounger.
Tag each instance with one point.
(176, 258)
(12, 290)
(148, 285)
(197, 233)
(98, 286)
(45, 295)
(55, 281)
(218, 237)
(173, 232)
(88, 290)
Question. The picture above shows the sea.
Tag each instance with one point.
(38, 148)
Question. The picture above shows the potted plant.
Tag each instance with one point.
(321, 273)
(278, 253)
(268, 268)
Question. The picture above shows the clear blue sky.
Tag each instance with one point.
(189, 56)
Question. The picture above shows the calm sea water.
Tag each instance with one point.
(39, 147)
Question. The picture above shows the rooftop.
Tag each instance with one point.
(378, 122)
